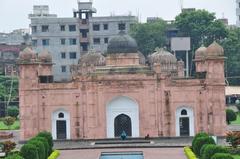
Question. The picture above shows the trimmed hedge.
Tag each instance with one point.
(14, 156)
(200, 141)
(203, 148)
(49, 138)
(45, 143)
(40, 148)
(221, 156)
(54, 154)
(188, 152)
(210, 150)
(201, 134)
(29, 151)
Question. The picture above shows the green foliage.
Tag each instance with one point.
(29, 151)
(210, 150)
(54, 154)
(230, 116)
(221, 156)
(200, 141)
(40, 148)
(14, 156)
(13, 111)
(149, 35)
(49, 138)
(8, 121)
(188, 152)
(45, 143)
(8, 146)
(233, 138)
(231, 47)
(5, 88)
(203, 149)
(201, 26)
(201, 134)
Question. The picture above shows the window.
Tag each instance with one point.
(34, 29)
(105, 40)
(121, 26)
(96, 40)
(63, 41)
(105, 26)
(72, 41)
(72, 55)
(45, 28)
(45, 42)
(96, 27)
(63, 55)
(183, 112)
(62, 27)
(61, 115)
(84, 46)
(72, 27)
(64, 68)
(238, 5)
(34, 42)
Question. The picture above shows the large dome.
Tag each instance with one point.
(162, 56)
(27, 54)
(92, 58)
(45, 56)
(215, 50)
(122, 43)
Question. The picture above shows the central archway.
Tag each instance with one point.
(122, 114)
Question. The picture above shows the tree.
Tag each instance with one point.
(8, 121)
(13, 111)
(149, 35)
(230, 116)
(231, 47)
(201, 26)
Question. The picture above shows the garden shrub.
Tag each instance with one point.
(45, 143)
(49, 138)
(40, 148)
(230, 116)
(29, 151)
(13, 111)
(200, 142)
(210, 150)
(222, 156)
(233, 138)
(8, 121)
(14, 156)
(188, 152)
(54, 154)
(203, 148)
(201, 134)
(8, 146)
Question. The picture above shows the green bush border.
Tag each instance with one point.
(54, 154)
(188, 152)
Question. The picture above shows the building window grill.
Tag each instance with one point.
(96, 40)
(105, 26)
(72, 55)
(72, 41)
(96, 27)
(45, 28)
(45, 42)
(72, 27)
(62, 27)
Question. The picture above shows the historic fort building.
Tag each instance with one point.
(121, 92)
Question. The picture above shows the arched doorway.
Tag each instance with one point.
(61, 125)
(122, 113)
(184, 122)
(122, 123)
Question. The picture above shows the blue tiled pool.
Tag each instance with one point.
(122, 155)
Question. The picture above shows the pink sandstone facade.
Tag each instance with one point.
(120, 92)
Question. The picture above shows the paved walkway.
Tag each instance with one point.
(149, 153)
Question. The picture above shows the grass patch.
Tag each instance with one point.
(15, 126)
(237, 121)
(236, 156)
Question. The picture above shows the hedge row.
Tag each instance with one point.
(188, 152)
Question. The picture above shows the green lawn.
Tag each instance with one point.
(236, 156)
(236, 121)
(15, 126)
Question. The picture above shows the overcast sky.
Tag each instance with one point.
(14, 13)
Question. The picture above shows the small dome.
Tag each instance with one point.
(201, 52)
(27, 54)
(162, 56)
(92, 58)
(122, 43)
(45, 56)
(215, 50)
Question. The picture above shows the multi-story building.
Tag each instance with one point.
(67, 38)
(238, 12)
(16, 37)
